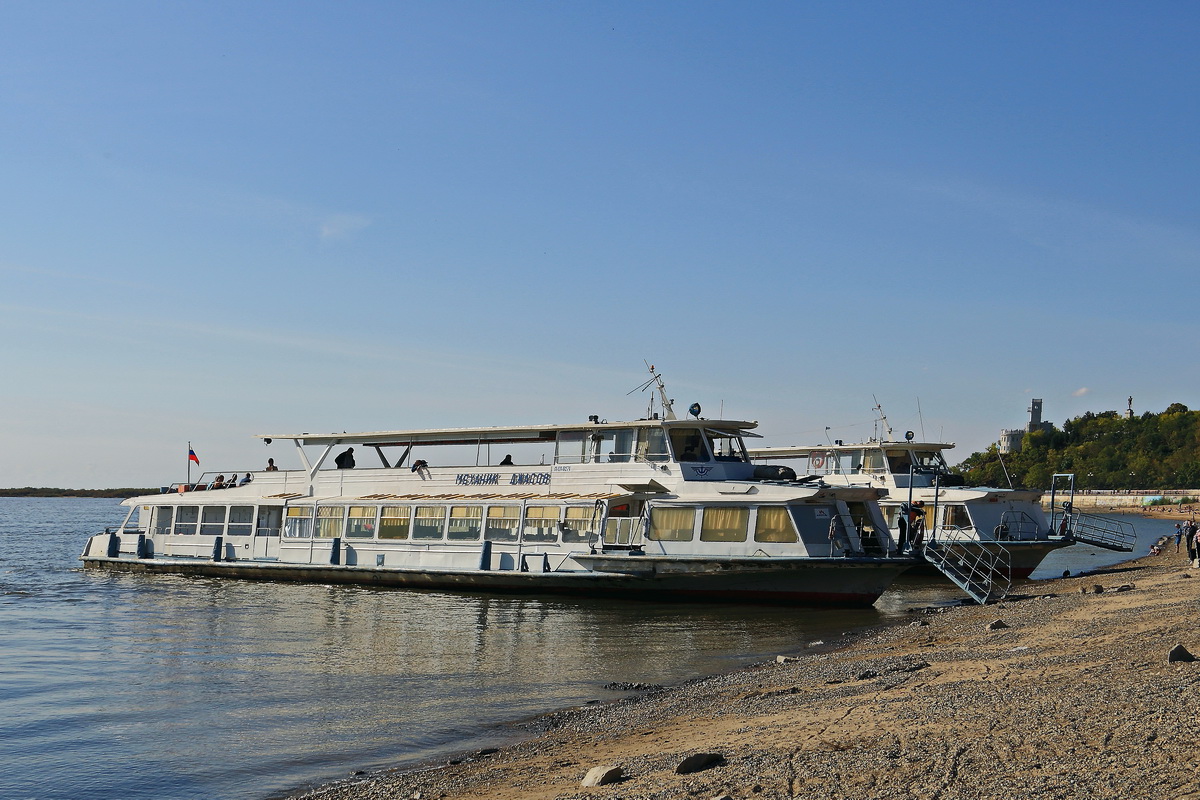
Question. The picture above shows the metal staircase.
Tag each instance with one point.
(982, 571)
(1093, 529)
(1111, 534)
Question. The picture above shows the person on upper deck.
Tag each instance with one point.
(271, 466)
(345, 460)
(507, 462)
(245, 479)
(219, 483)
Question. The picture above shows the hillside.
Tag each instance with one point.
(1104, 450)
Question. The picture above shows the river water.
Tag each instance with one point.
(130, 686)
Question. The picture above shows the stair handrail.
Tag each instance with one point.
(985, 573)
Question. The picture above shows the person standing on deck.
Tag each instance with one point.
(345, 460)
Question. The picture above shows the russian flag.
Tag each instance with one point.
(192, 456)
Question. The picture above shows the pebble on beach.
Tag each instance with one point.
(1179, 653)
(602, 775)
(698, 761)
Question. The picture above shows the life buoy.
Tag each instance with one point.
(816, 461)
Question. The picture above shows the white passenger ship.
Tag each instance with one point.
(666, 509)
(915, 476)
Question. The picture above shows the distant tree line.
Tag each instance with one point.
(30, 491)
(1105, 451)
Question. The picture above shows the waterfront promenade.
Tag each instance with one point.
(1064, 692)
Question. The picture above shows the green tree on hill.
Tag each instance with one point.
(1104, 451)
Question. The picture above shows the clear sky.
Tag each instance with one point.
(229, 218)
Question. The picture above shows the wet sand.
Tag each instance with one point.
(1075, 698)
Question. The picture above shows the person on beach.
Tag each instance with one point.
(1189, 534)
(1178, 535)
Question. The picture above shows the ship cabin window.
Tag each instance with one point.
(465, 523)
(212, 520)
(331, 521)
(727, 446)
(672, 524)
(503, 523)
(577, 524)
(689, 445)
(725, 524)
(899, 461)
(929, 459)
(873, 461)
(394, 522)
(570, 447)
(160, 524)
(241, 520)
(428, 522)
(541, 524)
(956, 517)
(298, 524)
(613, 446)
(186, 519)
(773, 524)
(652, 444)
(361, 522)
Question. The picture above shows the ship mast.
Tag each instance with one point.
(667, 403)
(881, 421)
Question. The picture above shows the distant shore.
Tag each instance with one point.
(1062, 692)
(30, 491)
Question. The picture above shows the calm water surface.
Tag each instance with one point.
(127, 686)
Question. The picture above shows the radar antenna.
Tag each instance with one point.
(656, 380)
(881, 421)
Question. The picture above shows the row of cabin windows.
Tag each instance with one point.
(647, 444)
(721, 524)
(456, 523)
(470, 523)
(502, 523)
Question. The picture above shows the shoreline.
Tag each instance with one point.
(1072, 698)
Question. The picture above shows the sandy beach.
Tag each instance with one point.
(1062, 691)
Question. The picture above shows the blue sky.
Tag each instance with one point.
(229, 218)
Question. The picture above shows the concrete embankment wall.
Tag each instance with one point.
(1097, 500)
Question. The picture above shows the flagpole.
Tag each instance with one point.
(189, 460)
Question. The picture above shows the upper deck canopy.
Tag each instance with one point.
(759, 453)
(507, 435)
